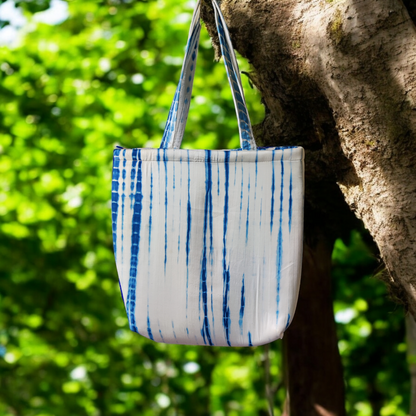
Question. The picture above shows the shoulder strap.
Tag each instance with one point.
(179, 110)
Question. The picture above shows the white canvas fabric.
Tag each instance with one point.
(208, 243)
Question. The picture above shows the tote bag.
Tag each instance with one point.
(208, 243)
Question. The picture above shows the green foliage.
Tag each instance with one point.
(371, 334)
(68, 94)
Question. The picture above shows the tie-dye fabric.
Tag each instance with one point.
(179, 110)
(208, 243)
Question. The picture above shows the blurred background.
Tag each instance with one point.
(78, 78)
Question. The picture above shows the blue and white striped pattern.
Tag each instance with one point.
(179, 110)
(208, 244)
(244, 125)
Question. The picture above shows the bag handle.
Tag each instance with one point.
(178, 114)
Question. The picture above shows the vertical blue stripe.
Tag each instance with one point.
(241, 195)
(208, 188)
(165, 163)
(288, 321)
(261, 211)
(174, 179)
(123, 197)
(242, 306)
(158, 162)
(133, 176)
(150, 208)
(173, 193)
(210, 222)
(279, 253)
(135, 246)
(248, 209)
(205, 330)
(173, 329)
(149, 330)
(180, 210)
(272, 192)
(188, 232)
(250, 344)
(225, 269)
(218, 179)
(158, 172)
(115, 199)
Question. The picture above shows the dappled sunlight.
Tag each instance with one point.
(78, 79)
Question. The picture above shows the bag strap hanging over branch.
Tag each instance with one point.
(178, 114)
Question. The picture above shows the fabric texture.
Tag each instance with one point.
(208, 243)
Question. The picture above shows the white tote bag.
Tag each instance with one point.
(208, 243)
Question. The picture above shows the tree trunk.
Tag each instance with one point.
(411, 356)
(338, 77)
(313, 365)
